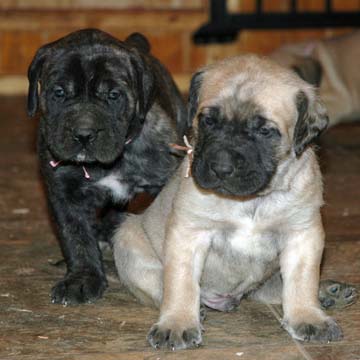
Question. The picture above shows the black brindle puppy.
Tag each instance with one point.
(109, 110)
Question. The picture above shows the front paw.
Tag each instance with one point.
(78, 288)
(174, 337)
(324, 330)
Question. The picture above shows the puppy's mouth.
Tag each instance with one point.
(85, 156)
(88, 156)
(81, 156)
(238, 184)
(227, 189)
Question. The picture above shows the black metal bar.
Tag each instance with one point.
(293, 6)
(294, 21)
(224, 27)
(218, 12)
(328, 6)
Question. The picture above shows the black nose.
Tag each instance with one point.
(222, 165)
(221, 169)
(84, 135)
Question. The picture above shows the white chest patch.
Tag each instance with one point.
(246, 240)
(119, 189)
(253, 244)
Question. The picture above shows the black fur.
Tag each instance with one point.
(138, 41)
(235, 156)
(111, 107)
(193, 100)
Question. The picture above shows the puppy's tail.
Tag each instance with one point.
(139, 42)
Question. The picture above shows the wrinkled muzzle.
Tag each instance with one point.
(86, 136)
(241, 171)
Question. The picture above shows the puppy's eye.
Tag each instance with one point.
(114, 94)
(59, 92)
(207, 120)
(264, 131)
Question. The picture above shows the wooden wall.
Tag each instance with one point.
(27, 24)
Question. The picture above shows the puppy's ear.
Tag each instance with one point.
(312, 121)
(138, 41)
(144, 83)
(193, 101)
(310, 70)
(34, 73)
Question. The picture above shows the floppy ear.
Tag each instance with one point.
(138, 41)
(145, 86)
(312, 121)
(146, 91)
(34, 73)
(309, 70)
(193, 100)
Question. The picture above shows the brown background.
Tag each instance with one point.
(27, 24)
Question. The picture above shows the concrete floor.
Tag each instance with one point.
(115, 327)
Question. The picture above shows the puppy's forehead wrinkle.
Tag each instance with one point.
(241, 110)
(89, 50)
(77, 71)
(111, 63)
(251, 77)
(233, 86)
(234, 112)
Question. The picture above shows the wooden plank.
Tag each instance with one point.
(169, 21)
(109, 4)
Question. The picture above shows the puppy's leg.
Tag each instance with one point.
(300, 268)
(139, 268)
(75, 216)
(179, 323)
(332, 294)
